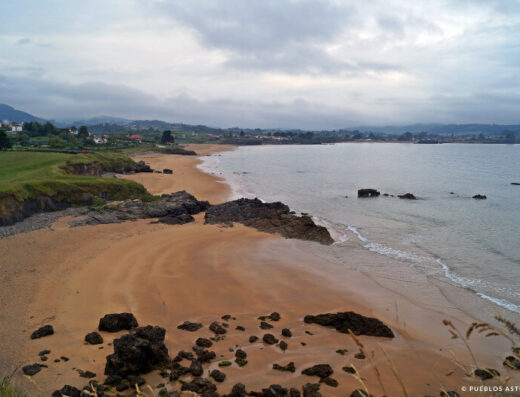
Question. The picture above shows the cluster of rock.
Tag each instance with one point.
(176, 208)
(142, 350)
(268, 217)
(363, 193)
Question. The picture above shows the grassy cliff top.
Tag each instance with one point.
(25, 174)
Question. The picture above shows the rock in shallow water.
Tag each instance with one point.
(268, 217)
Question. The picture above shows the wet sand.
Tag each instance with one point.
(168, 274)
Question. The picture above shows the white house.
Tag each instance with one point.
(16, 127)
(99, 140)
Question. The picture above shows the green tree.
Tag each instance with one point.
(167, 137)
(83, 132)
(57, 142)
(5, 143)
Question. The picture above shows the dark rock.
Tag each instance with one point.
(167, 171)
(219, 376)
(486, 373)
(268, 217)
(203, 342)
(253, 339)
(329, 382)
(512, 362)
(117, 322)
(357, 323)
(240, 328)
(479, 197)
(32, 369)
(201, 386)
(270, 339)
(294, 392)
(86, 374)
(189, 326)
(265, 325)
(184, 355)
(311, 390)
(240, 354)
(138, 352)
(67, 390)
(407, 196)
(217, 328)
(44, 352)
(368, 193)
(94, 338)
(286, 332)
(360, 393)
(238, 390)
(46, 330)
(319, 370)
(287, 368)
(196, 368)
(204, 356)
(283, 345)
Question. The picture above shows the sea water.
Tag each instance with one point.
(445, 233)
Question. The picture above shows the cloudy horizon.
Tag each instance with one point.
(312, 64)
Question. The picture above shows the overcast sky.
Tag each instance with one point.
(264, 63)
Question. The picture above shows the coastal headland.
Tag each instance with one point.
(165, 275)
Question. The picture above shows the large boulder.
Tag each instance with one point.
(117, 322)
(368, 193)
(268, 217)
(357, 323)
(407, 196)
(138, 352)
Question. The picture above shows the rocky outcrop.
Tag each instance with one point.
(407, 196)
(357, 323)
(13, 210)
(138, 352)
(176, 208)
(95, 168)
(268, 217)
(368, 193)
(117, 322)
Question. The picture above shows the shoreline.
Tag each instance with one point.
(168, 274)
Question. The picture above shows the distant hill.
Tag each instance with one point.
(442, 129)
(11, 114)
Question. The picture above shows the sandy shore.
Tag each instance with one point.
(168, 274)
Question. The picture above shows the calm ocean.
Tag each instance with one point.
(474, 244)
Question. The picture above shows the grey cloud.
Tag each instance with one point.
(23, 41)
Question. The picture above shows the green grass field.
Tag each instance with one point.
(26, 174)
